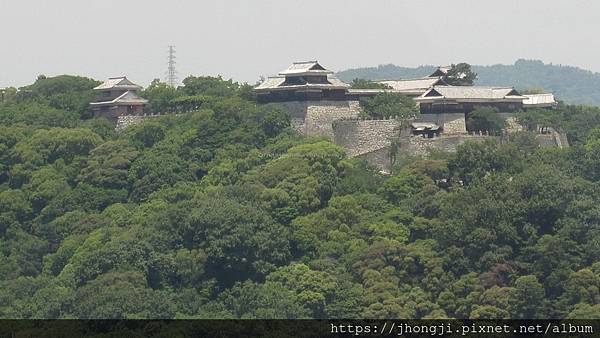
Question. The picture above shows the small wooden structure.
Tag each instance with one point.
(425, 129)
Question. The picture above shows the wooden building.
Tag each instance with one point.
(452, 99)
(414, 87)
(309, 81)
(116, 97)
(302, 81)
(539, 101)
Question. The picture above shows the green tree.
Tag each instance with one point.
(313, 289)
(160, 96)
(527, 298)
(485, 119)
(534, 119)
(402, 186)
(460, 75)
(240, 241)
(256, 301)
(368, 84)
(64, 92)
(585, 311)
(388, 105)
(208, 85)
(474, 160)
(108, 165)
(121, 295)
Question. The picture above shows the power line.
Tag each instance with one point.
(171, 78)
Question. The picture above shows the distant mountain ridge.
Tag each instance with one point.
(570, 84)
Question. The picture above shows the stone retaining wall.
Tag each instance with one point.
(315, 118)
(125, 121)
(364, 136)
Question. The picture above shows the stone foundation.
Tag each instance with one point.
(372, 139)
(364, 136)
(315, 118)
(125, 121)
(452, 123)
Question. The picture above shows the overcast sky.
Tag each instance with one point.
(244, 39)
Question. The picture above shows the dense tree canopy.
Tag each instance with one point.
(225, 212)
(367, 84)
(485, 119)
(460, 75)
(388, 105)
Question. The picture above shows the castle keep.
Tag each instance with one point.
(322, 105)
(313, 97)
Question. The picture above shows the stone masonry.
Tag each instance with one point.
(315, 118)
(360, 137)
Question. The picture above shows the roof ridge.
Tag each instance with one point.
(414, 79)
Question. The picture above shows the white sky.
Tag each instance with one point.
(244, 39)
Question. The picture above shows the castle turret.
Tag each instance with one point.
(117, 97)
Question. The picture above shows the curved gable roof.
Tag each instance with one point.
(305, 68)
(121, 82)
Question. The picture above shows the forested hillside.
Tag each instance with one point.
(225, 212)
(571, 84)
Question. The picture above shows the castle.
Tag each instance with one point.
(322, 105)
(319, 104)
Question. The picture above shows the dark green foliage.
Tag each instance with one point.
(368, 84)
(240, 241)
(37, 115)
(388, 105)
(539, 118)
(476, 160)
(485, 119)
(460, 75)
(196, 93)
(209, 86)
(64, 92)
(225, 212)
(159, 96)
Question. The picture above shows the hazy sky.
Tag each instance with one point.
(244, 39)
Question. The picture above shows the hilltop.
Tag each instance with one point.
(224, 211)
(571, 84)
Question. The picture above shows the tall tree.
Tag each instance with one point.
(460, 75)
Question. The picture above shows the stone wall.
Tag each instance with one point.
(419, 146)
(553, 139)
(364, 136)
(453, 123)
(512, 124)
(379, 158)
(361, 137)
(125, 121)
(315, 118)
